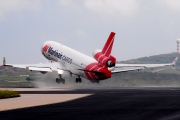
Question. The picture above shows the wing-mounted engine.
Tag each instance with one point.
(43, 72)
(103, 60)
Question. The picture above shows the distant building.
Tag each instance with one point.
(178, 41)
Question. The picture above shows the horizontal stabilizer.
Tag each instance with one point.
(126, 69)
(97, 72)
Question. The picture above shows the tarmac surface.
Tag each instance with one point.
(104, 104)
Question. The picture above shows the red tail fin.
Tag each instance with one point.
(108, 46)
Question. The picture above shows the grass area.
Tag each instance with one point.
(13, 78)
(8, 94)
(14, 82)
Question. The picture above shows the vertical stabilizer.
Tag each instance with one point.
(109, 44)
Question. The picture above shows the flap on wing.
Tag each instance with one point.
(142, 65)
(39, 69)
(17, 66)
(147, 65)
(125, 69)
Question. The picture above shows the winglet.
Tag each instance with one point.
(4, 61)
(174, 62)
(108, 46)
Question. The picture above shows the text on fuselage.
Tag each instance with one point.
(59, 55)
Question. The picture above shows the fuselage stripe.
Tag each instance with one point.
(100, 57)
(90, 72)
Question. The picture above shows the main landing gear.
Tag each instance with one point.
(60, 80)
(78, 80)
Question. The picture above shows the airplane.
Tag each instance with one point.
(67, 60)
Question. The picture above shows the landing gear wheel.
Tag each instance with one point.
(78, 80)
(63, 81)
(57, 80)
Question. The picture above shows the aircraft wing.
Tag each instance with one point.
(132, 67)
(49, 67)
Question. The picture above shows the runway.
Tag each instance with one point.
(105, 104)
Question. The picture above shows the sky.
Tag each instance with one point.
(142, 27)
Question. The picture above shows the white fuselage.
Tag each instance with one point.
(69, 59)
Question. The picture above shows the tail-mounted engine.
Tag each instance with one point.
(103, 60)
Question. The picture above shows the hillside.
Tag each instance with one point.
(158, 59)
(164, 76)
(14, 71)
(155, 59)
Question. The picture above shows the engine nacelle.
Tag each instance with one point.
(43, 72)
(109, 63)
(104, 60)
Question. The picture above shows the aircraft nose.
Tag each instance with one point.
(45, 47)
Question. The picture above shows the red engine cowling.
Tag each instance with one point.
(104, 60)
